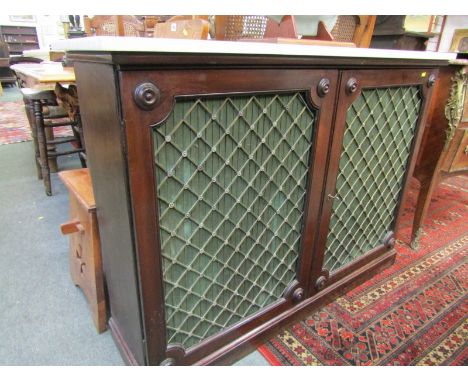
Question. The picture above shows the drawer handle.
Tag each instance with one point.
(71, 227)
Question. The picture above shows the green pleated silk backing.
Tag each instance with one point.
(231, 180)
(380, 127)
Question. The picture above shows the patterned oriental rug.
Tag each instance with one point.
(14, 124)
(413, 313)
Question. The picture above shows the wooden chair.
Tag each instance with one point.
(67, 97)
(181, 28)
(355, 29)
(238, 27)
(348, 31)
(125, 25)
(45, 114)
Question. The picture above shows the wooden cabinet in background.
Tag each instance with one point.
(444, 149)
(390, 33)
(19, 38)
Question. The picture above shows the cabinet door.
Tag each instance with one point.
(377, 130)
(226, 169)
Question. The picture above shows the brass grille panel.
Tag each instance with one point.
(231, 180)
(380, 127)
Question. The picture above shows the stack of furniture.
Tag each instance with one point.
(347, 30)
(241, 184)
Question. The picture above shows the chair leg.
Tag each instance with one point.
(32, 124)
(79, 138)
(42, 143)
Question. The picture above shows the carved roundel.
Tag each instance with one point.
(321, 282)
(351, 86)
(298, 295)
(146, 95)
(389, 240)
(323, 87)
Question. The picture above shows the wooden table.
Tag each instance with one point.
(43, 76)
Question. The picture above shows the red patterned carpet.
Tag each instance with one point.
(413, 313)
(14, 125)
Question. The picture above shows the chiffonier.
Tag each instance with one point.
(240, 184)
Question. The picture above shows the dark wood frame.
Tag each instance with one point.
(363, 79)
(120, 156)
(442, 139)
(183, 83)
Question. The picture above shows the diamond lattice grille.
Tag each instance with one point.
(231, 180)
(380, 126)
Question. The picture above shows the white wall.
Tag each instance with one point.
(432, 42)
(451, 23)
(49, 27)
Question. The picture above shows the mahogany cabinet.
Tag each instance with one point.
(237, 191)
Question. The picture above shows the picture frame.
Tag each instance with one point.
(459, 41)
(23, 18)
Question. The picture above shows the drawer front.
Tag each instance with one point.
(232, 177)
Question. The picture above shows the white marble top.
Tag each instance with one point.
(165, 45)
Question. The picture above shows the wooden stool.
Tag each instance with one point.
(85, 248)
(45, 114)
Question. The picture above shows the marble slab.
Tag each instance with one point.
(165, 45)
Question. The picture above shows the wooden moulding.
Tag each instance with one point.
(129, 61)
